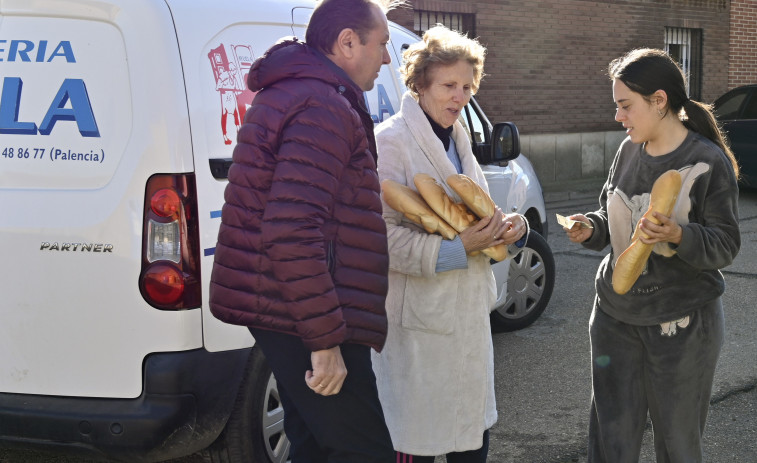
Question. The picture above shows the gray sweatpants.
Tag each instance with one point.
(637, 369)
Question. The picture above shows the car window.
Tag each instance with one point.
(463, 118)
(727, 107)
(473, 124)
(750, 110)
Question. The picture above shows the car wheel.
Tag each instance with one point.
(524, 285)
(255, 430)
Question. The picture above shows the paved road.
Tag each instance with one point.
(543, 383)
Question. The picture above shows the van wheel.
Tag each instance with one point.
(530, 280)
(255, 430)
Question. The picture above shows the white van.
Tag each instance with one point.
(117, 124)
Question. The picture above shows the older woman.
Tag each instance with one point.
(435, 375)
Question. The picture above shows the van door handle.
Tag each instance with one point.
(219, 167)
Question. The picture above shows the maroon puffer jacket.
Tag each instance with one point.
(302, 245)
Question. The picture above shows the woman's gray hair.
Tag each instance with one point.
(444, 47)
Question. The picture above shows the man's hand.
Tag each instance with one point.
(328, 373)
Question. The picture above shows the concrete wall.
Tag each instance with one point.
(571, 158)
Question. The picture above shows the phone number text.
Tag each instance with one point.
(51, 154)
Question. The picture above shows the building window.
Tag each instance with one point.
(424, 20)
(685, 46)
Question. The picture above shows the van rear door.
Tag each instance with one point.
(92, 104)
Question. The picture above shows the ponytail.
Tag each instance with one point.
(700, 119)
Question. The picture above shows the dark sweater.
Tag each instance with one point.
(677, 279)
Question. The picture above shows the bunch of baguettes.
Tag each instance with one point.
(434, 210)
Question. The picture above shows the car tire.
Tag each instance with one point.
(530, 280)
(255, 430)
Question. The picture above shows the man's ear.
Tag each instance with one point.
(345, 43)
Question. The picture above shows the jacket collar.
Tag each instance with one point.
(432, 146)
(339, 72)
(290, 58)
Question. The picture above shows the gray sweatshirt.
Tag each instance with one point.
(677, 279)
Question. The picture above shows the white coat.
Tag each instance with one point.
(435, 374)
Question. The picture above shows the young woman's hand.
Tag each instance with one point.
(577, 233)
(668, 230)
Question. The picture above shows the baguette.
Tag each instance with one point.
(472, 195)
(455, 214)
(632, 261)
(404, 199)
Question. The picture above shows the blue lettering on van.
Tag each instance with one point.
(211, 251)
(23, 50)
(9, 103)
(384, 105)
(57, 154)
(72, 90)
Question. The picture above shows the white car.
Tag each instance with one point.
(117, 122)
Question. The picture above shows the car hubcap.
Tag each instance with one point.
(526, 284)
(277, 444)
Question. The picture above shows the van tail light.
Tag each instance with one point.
(170, 277)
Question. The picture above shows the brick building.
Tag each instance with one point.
(547, 62)
(742, 66)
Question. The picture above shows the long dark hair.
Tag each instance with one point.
(646, 70)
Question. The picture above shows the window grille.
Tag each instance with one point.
(424, 20)
(685, 46)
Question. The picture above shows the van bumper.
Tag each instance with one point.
(187, 398)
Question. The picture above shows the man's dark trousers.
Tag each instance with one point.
(348, 427)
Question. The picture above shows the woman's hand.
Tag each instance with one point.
(577, 233)
(492, 231)
(668, 230)
(515, 230)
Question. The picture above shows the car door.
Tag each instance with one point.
(737, 111)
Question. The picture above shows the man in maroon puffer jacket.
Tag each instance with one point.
(301, 257)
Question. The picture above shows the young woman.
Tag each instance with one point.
(654, 348)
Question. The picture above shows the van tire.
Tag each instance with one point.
(530, 282)
(254, 432)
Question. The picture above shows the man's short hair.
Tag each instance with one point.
(331, 17)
